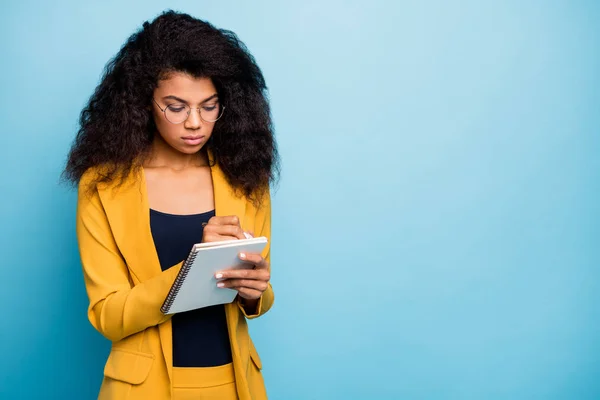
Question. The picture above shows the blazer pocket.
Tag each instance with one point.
(254, 356)
(128, 366)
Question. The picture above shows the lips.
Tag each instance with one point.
(193, 140)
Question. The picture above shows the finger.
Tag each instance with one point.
(236, 284)
(224, 220)
(213, 237)
(246, 273)
(256, 259)
(226, 230)
(249, 294)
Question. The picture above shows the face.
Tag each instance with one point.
(178, 94)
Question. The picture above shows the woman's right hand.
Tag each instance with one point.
(219, 229)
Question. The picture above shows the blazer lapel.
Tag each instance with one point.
(128, 213)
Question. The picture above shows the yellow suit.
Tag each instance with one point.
(126, 287)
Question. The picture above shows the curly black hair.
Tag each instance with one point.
(117, 127)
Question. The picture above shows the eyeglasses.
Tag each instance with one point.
(179, 112)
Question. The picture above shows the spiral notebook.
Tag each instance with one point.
(196, 286)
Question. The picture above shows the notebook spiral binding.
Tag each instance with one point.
(185, 269)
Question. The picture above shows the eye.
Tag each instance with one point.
(176, 108)
(211, 107)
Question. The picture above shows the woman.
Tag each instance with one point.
(175, 147)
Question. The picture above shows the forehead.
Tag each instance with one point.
(185, 86)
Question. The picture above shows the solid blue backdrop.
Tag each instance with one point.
(435, 231)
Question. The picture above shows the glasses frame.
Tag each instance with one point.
(188, 113)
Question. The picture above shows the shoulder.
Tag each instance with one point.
(89, 178)
(101, 186)
(102, 177)
(260, 200)
(101, 189)
(259, 210)
(87, 183)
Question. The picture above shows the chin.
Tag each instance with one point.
(191, 149)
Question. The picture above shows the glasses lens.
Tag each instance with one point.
(177, 113)
(211, 112)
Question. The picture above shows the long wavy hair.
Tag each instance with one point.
(117, 128)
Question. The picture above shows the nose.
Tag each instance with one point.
(193, 121)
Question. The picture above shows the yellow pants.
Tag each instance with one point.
(205, 383)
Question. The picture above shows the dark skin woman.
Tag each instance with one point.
(175, 147)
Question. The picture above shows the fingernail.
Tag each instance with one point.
(218, 276)
(220, 284)
(242, 255)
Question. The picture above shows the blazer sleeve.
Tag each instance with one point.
(262, 227)
(118, 307)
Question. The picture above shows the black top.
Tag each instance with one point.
(200, 337)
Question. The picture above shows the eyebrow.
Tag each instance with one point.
(171, 97)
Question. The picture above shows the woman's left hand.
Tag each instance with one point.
(250, 282)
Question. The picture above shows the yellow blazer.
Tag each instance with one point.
(126, 287)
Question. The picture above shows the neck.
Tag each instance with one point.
(163, 155)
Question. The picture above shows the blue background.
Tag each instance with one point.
(436, 228)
